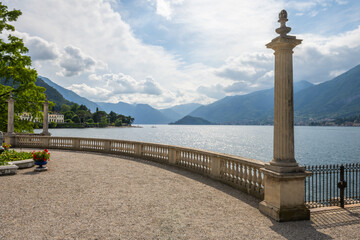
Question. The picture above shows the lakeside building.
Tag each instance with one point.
(53, 117)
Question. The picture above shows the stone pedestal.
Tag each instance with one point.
(284, 180)
(46, 119)
(284, 196)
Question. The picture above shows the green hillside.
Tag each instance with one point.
(339, 97)
(190, 120)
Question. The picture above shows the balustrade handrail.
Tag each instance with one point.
(239, 172)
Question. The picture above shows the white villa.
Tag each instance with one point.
(53, 117)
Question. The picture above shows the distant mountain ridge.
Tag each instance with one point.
(70, 95)
(252, 108)
(143, 113)
(339, 97)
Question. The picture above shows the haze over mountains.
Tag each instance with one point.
(339, 97)
(143, 113)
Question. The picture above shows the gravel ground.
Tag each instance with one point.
(96, 196)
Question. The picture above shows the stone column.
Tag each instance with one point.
(10, 126)
(283, 178)
(46, 118)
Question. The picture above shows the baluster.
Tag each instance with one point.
(245, 176)
(254, 180)
(241, 174)
(237, 173)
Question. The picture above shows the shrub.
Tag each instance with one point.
(12, 155)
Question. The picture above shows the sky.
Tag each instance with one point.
(170, 52)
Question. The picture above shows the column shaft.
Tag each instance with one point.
(283, 109)
(10, 126)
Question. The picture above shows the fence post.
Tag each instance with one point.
(215, 166)
(342, 185)
(107, 146)
(172, 156)
(45, 142)
(138, 149)
(76, 143)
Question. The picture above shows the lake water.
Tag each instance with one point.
(313, 145)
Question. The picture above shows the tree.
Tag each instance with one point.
(65, 108)
(76, 119)
(17, 76)
(97, 116)
(83, 107)
(113, 116)
(75, 107)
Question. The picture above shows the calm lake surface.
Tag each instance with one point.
(313, 145)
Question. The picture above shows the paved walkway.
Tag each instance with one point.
(94, 196)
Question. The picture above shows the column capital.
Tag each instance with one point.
(287, 43)
(11, 98)
(46, 102)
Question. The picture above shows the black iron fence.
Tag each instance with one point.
(332, 185)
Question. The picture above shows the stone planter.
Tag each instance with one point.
(40, 167)
(8, 170)
(28, 163)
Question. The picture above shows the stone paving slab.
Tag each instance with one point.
(97, 196)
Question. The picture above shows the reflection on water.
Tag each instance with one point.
(313, 145)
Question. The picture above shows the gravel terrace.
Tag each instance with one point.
(97, 196)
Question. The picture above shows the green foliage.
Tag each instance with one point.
(83, 114)
(75, 119)
(52, 125)
(118, 122)
(113, 117)
(97, 116)
(75, 107)
(65, 108)
(89, 121)
(17, 76)
(12, 155)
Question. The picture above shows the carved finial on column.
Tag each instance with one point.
(283, 30)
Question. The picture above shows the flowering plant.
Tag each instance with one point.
(6, 146)
(41, 156)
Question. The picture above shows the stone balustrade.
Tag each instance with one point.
(242, 173)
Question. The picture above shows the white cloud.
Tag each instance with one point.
(220, 48)
(39, 48)
(163, 8)
(73, 62)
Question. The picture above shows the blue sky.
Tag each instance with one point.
(170, 52)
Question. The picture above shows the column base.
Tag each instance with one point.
(284, 194)
(284, 214)
(45, 134)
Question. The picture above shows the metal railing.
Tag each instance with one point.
(332, 185)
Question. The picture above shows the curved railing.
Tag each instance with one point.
(242, 173)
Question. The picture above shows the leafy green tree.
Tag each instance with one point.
(76, 119)
(97, 116)
(113, 116)
(83, 107)
(17, 76)
(118, 122)
(69, 115)
(83, 115)
(75, 107)
(65, 108)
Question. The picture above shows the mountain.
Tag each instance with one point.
(339, 97)
(143, 113)
(179, 111)
(190, 120)
(70, 95)
(53, 95)
(252, 108)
